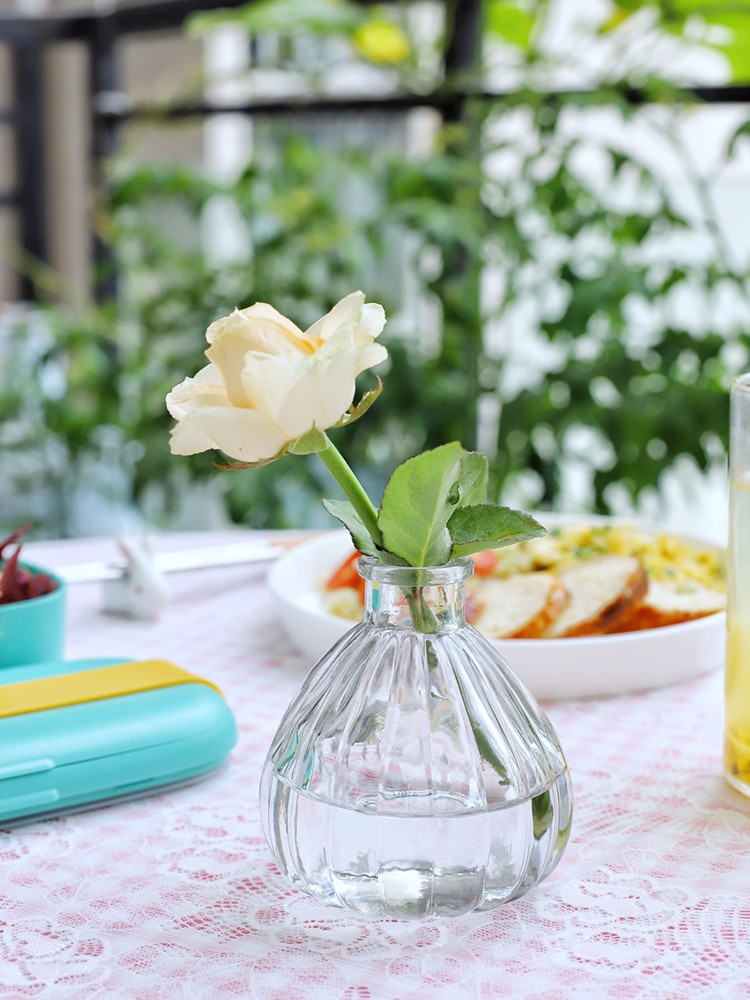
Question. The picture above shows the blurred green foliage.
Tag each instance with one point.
(534, 266)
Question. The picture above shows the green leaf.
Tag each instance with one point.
(737, 49)
(617, 18)
(542, 814)
(344, 511)
(489, 526)
(355, 412)
(309, 443)
(487, 752)
(510, 21)
(416, 506)
(472, 486)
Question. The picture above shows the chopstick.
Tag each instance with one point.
(231, 554)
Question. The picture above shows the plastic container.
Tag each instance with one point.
(33, 631)
(86, 732)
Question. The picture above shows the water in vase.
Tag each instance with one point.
(415, 865)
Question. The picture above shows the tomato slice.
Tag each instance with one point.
(346, 574)
(484, 561)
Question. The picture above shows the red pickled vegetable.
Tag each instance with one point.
(18, 533)
(16, 582)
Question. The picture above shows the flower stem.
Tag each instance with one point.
(334, 461)
(421, 615)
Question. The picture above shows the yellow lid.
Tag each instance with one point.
(92, 685)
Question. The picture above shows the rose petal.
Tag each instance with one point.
(362, 322)
(259, 335)
(370, 356)
(267, 330)
(346, 312)
(371, 322)
(300, 392)
(260, 311)
(247, 435)
(207, 385)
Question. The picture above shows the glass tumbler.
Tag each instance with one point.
(737, 684)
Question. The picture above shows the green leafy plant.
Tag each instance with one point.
(632, 380)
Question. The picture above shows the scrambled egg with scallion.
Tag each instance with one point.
(344, 602)
(664, 556)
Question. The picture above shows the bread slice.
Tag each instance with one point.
(518, 607)
(668, 602)
(604, 592)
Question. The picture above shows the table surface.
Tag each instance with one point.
(176, 895)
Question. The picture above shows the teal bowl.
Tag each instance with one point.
(33, 631)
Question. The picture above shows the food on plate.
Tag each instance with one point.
(346, 577)
(603, 593)
(579, 579)
(518, 607)
(669, 603)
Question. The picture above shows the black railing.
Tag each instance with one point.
(441, 100)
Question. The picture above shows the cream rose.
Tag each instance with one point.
(268, 383)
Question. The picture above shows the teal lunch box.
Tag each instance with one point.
(88, 732)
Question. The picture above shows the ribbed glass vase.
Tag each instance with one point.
(414, 774)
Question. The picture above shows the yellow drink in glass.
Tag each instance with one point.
(737, 685)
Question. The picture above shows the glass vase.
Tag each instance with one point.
(414, 775)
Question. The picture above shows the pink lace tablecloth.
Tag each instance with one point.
(176, 896)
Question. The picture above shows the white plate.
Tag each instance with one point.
(551, 668)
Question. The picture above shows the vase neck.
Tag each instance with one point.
(426, 599)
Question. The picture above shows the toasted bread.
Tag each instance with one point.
(603, 592)
(670, 603)
(519, 607)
